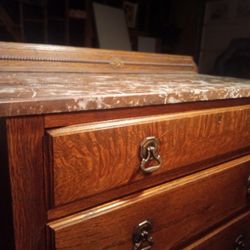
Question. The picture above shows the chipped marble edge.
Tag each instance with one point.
(101, 102)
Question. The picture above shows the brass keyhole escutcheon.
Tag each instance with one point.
(150, 158)
(142, 238)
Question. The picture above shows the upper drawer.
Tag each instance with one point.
(92, 158)
(172, 214)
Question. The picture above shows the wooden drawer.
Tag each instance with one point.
(178, 210)
(92, 158)
(233, 234)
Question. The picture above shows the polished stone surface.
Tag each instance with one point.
(42, 93)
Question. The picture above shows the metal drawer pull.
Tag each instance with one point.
(142, 239)
(239, 243)
(149, 155)
(248, 185)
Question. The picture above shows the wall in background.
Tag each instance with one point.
(175, 24)
(224, 21)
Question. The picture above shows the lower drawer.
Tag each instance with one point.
(171, 213)
(234, 235)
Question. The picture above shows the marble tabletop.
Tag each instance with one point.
(43, 93)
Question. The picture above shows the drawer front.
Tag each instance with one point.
(97, 157)
(178, 210)
(233, 235)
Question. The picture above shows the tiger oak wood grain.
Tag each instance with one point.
(224, 237)
(92, 158)
(25, 162)
(178, 210)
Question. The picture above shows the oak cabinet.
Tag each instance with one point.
(120, 150)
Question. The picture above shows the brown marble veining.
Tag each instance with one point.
(40, 93)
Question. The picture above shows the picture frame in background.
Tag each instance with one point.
(111, 27)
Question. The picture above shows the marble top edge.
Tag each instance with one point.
(40, 94)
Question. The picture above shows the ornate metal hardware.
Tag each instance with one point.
(239, 243)
(248, 185)
(150, 159)
(142, 239)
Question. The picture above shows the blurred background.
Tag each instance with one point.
(215, 32)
